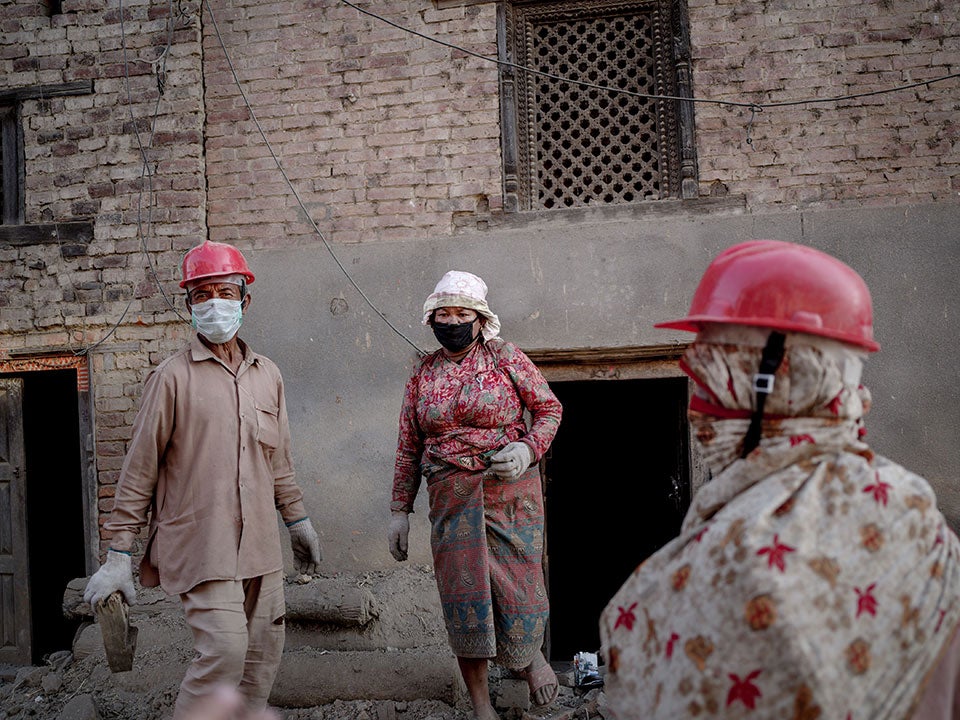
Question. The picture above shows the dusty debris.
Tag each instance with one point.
(379, 653)
(90, 691)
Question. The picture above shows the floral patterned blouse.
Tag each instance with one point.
(456, 415)
(811, 578)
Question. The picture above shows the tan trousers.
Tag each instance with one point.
(238, 634)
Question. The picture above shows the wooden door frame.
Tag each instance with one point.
(613, 363)
(19, 565)
(647, 362)
(38, 360)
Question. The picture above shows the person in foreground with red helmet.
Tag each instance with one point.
(811, 578)
(210, 462)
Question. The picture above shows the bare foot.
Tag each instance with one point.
(542, 681)
(485, 713)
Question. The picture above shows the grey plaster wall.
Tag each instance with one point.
(577, 281)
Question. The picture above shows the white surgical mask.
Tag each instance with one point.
(217, 320)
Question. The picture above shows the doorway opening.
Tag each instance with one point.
(618, 486)
(52, 490)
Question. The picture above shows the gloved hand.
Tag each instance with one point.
(306, 546)
(398, 533)
(510, 462)
(115, 574)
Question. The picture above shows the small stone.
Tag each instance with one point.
(385, 710)
(28, 677)
(513, 694)
(603, 707)
(51, 682)
(566, 679)
(60, 659)
(80, 707)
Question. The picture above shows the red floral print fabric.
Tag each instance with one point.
(486, 532)
(819, 580)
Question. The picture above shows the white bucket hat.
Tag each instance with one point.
(462, 289)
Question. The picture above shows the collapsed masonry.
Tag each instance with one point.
(347, 638)
(368, 647)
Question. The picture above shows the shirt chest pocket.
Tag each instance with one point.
(268, 425)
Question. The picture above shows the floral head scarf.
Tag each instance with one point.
(462, 289)
(818, 379)
(811, 579)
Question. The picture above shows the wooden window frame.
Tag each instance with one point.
(11, 179)
(13, 230)
(677, 144)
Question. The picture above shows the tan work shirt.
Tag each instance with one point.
(210, 455)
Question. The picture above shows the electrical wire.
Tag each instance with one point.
(146, 169)
(754, 106)
(293, 189)
(160, 63)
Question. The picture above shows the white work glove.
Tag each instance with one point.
(306, 546)
(115, 574)
(398, 533)
(510, 462)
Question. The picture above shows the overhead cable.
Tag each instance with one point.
(755, 106)
(293, 188)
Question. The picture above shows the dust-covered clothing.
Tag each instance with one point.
(487, 532)
(210, 458)
(812, 578)
(941, 696)
(238, 634)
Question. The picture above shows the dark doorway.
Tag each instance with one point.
(54, 500)
(618, 485)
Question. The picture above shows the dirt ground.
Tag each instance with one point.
(64, 689)
(78, 684)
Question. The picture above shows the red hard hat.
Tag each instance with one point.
(782, 286)
(211, 259)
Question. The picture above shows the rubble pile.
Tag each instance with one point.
(357, 648)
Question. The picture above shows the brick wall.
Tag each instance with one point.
(385, 135)
(83, 162)
(389, 137)
(893, 148)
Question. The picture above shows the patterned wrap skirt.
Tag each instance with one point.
(487, 542)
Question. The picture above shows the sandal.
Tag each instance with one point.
(540, 677)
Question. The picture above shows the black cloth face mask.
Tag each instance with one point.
(454, 336)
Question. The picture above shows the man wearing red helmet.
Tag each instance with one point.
(812, 578)
(210, 462)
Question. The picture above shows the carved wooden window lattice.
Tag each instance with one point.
(566, 145)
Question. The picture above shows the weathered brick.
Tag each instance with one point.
(389, 137)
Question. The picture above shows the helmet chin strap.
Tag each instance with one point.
(763, 385)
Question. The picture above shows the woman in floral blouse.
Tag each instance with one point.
(462, 428)
(812, 578)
